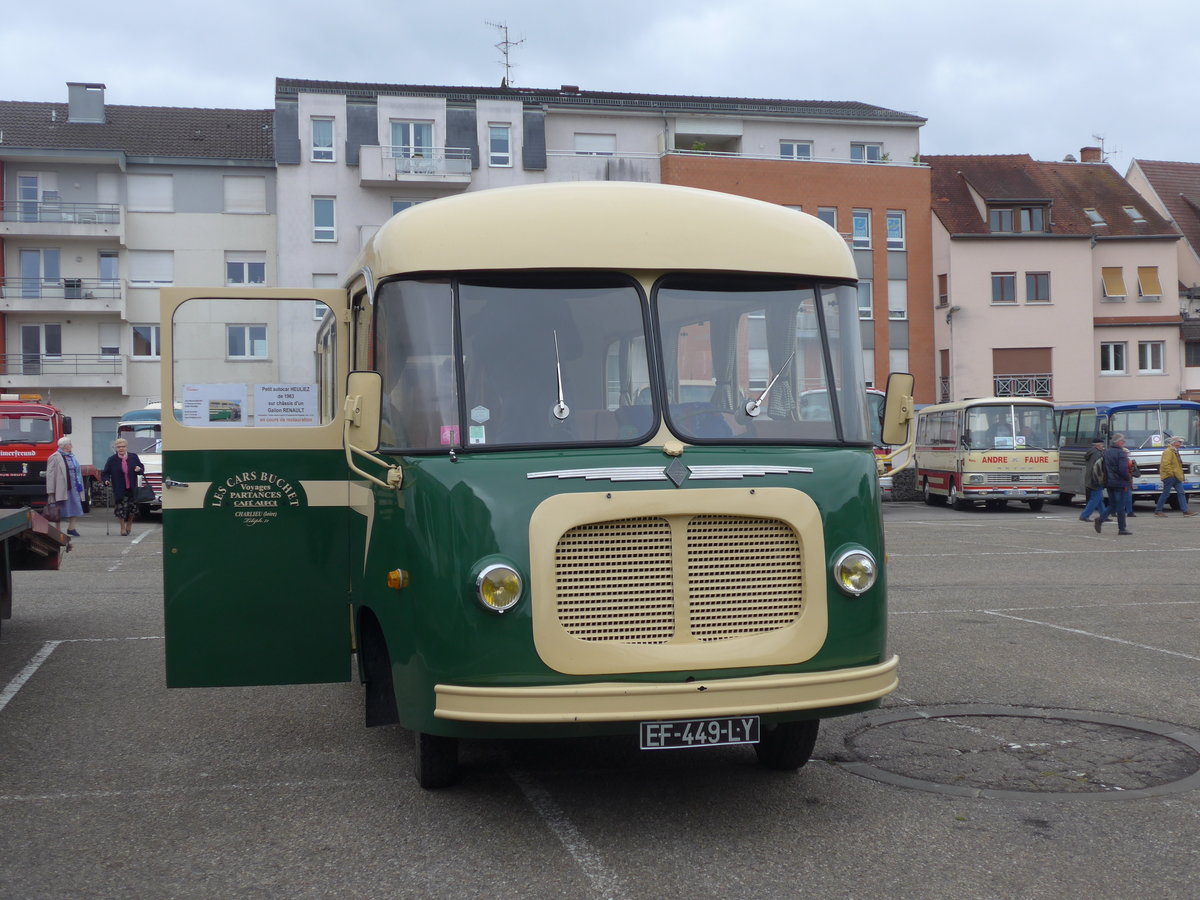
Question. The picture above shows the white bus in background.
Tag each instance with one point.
(142, 430)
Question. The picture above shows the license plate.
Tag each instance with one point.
(1016, 493)
(684, 733)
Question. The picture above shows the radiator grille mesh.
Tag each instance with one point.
(657, 580)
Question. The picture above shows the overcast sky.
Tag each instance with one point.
(1009, 76)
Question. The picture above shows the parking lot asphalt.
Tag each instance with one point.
(1043, 743)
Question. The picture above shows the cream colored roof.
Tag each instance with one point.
(605, 225)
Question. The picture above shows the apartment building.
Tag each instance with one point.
(102, 205)
(1173, 189)
(351, 155)
(1054, 280)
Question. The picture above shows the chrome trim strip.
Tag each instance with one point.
(624, 473)
(701, 473)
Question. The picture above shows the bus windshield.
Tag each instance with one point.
(1152, 427)
(562, 359)
(1011, 427)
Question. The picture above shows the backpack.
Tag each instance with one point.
(1098, 476)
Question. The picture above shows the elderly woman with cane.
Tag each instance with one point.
(122, 471)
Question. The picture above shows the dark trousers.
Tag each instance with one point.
(1118, 501)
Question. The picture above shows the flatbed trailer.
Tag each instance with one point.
(27, 541)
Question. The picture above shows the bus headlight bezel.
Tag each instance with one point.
(855, 571)
(499, 587)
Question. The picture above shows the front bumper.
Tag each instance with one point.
(644, 701)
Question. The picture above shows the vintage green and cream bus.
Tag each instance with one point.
(539, 470)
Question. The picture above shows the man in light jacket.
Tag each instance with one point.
(1170, 470)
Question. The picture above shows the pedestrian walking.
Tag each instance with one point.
(1118, 480)
(1170, 469)
(64, 484)
(1093, 481)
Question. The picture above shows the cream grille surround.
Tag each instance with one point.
(646, 581)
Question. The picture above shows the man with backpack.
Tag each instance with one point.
(1118, 477)
(1093, 481)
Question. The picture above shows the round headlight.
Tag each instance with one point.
(855, 572)
(498, 588)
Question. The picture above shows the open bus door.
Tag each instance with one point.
(258, 525)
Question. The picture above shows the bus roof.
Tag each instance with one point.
(605, 225)
(1112, 405)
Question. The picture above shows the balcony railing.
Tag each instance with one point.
(60, 364)
(59, 289)
(1024, 385)
(56, 211)
(411, 160)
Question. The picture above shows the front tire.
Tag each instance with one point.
(1036, 505)
(931, 499)
(788, 745)
(958, 501)
(436, 761)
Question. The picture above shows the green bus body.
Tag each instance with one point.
(729, 563)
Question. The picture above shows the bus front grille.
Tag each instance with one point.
(678, 579)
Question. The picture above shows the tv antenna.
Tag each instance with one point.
(505, 46)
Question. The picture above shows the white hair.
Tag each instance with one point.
(63, 442)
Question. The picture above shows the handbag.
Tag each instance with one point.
(51, 512)
(143, 493)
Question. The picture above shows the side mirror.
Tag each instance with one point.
(364, 398)
(66, 424)
(898, 408)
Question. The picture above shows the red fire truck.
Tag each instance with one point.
(29, 433)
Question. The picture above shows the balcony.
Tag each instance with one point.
(60, 295)
(572, 165)
(53, 218)
(390, 165)
(1024, 385)
(75, 370)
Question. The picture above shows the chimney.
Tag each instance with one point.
(1091, 154)
(85, 102)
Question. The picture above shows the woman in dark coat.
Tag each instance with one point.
(122, 472)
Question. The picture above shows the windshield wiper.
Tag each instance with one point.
(753, 406)
(560, 409)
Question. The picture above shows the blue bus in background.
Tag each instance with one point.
(1147, 425)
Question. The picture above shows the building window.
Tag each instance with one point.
(151, 268)
(246, 341)
(1017, 220)
(110, 267)
(869, 153)
(412, 140)
(245, 194)
(323, 280)
(322, 140)
(895, 230)
(150, 193)
(245, 268)
(110, 339)
(1133, 213)
(402, 205)
(897, 300)
(861, 220)
(828, 215)
(595, 144)
(1004, 287)
(1150, 357)
(1037, 287)
(1113, 282)
(943, 290)
(146, 341)
(1149, 288)
(1191, 354)
(324, 219)
(1112, 358)
(795, 149)
(499, 145)
(1093, 216)
(865, 300)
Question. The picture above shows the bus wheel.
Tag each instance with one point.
(958, 500)
(788, 745)
(1036, 505)
(436, 761)
(931, 499)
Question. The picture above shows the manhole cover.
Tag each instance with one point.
(974, 750)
